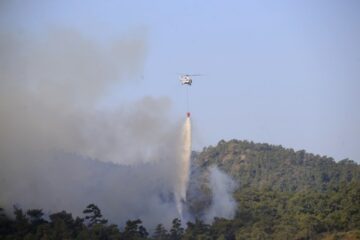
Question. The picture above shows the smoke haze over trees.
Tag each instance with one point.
(324, 204)
(92, 145)
(51, 126)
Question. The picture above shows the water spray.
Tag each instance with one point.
(184, 169)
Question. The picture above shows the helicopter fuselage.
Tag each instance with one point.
(186, 80)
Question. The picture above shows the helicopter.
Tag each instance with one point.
(186, 79)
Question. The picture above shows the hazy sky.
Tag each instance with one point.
(282, 72)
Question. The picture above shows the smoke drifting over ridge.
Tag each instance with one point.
(50, 85)
(223, 204)
(58, 151)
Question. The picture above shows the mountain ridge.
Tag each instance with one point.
(262, 165)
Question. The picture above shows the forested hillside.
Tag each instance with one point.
(262, 166)
(280, 194)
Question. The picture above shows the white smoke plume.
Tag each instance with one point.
(50, 85)
(58, 151)
(50, 127)
(223, 205)
(210, 194)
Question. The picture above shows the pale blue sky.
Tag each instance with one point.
(282, 72)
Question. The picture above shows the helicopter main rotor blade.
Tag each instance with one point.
(195, 75)
(190, 74)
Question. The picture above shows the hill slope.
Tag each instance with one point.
(262, 165)
(281, 193)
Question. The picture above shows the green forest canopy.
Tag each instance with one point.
(281, 194)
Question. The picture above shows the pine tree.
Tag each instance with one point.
(94, 215)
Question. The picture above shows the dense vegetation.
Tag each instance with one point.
(259, 166)
(281, 194)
